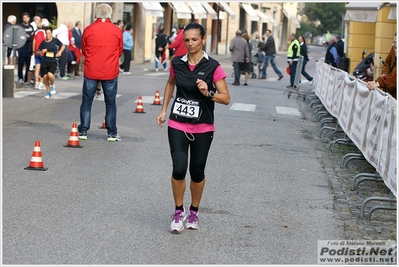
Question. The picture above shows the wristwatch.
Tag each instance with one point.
(211, 94)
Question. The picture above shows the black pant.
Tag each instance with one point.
(24, 55)
(293, 72)
(199, 145)
(63, 61)
(304, 73)
(127, 57)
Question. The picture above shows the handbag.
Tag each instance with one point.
(32, 63)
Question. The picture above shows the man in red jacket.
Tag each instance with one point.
(178, 43)
(101, 64)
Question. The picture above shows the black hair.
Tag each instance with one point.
(26, 14)
(197, 26)
(128, 27)
(77, 23)
(48, 28)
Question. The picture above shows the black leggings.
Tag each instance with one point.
(199, 144)
(127, 57)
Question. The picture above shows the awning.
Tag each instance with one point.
(181, 9)
(250, 12)
(262, 16)
(210, 10)
(271, 19)
(152, 9)
(291, 17)
(227, 9)
(392, 13)
(198, 10)
(362, 11)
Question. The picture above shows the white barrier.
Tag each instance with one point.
(336, 94)
(367, 117)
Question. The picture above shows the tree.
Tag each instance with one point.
(329, 15)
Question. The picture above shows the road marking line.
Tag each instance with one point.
(101, 98)
(288, 111)
(243, 107)
(63, 95)
(24, 93)
(163, 73)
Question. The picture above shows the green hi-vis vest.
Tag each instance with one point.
(290, 52)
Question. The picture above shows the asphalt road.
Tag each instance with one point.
(266, 199)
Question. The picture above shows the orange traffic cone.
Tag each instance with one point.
(140, 107)
(157, 99)
(73, 140)
(103, 126)
(36, 162)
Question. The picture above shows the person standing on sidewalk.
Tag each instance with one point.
(11, 20)
(77, 35)
(270, 50)
(101, 64)
(247, 65)
(293, 54)
(161, 42)
(239, 55)
(191, 120)
(40, 36)
(332, 52)
(127, 49)
(62, 33)
(25, 52)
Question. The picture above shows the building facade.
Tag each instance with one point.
(371, 27)
(220, 19)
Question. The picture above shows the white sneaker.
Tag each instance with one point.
(178, 218)
(156, 69)
(192, 221)
(120, 70)
(47, 96)
(42, 86)
(165, 69)
(52, 89)
(36, 86)
(127, 73)
(312, 81)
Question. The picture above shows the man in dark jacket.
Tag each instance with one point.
(77, 35)
(340, 46)
(25, 52)
(270, 50)
(161, 41)
(332, 53)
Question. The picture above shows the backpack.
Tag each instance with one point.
(261, 56)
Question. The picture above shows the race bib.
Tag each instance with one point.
(186, 108)
(49, 54)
